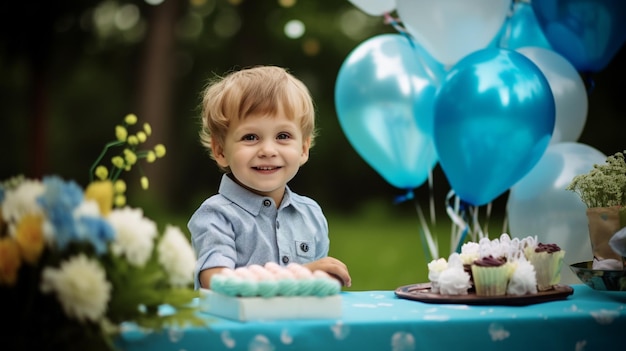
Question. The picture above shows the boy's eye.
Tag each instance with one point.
(283, 136)
(249, 137)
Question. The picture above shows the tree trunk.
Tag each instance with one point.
(154, 100)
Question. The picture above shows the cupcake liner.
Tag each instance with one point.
(490, 281)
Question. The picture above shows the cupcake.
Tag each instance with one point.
(547, 260)
(435, 267)
(454, 280)
(523, 279)
(490, 275)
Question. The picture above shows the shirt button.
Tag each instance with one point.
(267, 203)
(285, 259)
(277, 225)
(304, 247)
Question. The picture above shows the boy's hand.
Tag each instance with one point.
(332, 266)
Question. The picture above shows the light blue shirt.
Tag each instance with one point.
(237, 228)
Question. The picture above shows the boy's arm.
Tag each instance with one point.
(205, 276)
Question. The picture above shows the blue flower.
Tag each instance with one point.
(96, 231)
(59, 200)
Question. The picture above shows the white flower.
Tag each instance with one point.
(454, 281)
(523, 280)
(176, 256)
(21, 201)
(435, 267)
(134, 235)
(80, 285)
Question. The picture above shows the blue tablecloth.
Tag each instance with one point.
(378, 320)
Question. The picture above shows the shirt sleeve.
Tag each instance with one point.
(212, 238)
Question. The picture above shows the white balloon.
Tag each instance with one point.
(568, 88)
(375, 7)
(539, 205)
(451, 29)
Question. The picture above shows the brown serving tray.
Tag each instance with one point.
(421, 292)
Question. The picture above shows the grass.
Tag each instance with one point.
(383, 250)
(381, 254)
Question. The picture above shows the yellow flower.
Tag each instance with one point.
(133, 140)
(130, 156)
(121, 133)
(130, 119)
(30, 238)
(147, 128)
(10, 261)
(142, 137)
(118, 161)
(120, 200)
(102, 172)
(159, 150)
(144, 183)
(102, 193)
(119, 186)
(151, 156)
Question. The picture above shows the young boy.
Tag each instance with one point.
(258, 125)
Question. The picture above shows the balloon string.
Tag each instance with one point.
(431, 199)
(426, 236)
(395, 24)
(425, 233)
(460, 228)
(488, 217)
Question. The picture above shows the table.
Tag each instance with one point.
(378, 320)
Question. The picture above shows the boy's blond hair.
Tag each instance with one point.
(257, 90)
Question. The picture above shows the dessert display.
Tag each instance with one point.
(273, 280)
(272, 292)
(500, 267)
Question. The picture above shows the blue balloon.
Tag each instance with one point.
(588, 33)
(522, 29)
(494, 117)
(384, 96)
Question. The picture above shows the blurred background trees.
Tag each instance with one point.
(72, 69)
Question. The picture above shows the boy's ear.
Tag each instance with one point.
(306, 145)
(218, 153)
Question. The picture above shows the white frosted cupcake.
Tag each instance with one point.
(454, 280)
(435, 267)
(523, 279)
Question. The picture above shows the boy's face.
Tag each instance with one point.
(263, 153)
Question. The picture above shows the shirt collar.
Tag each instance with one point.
(246, 199)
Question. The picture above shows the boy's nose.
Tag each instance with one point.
(267, 149)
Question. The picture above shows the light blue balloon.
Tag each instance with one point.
(384, 96)
(538, 204)
(588, 33)
(494, 117)
(522, 29)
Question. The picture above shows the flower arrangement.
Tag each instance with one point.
(603, 191)
(75, 264)
(604, 185)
